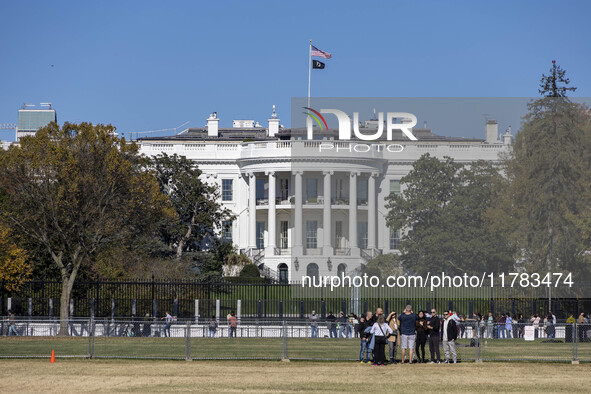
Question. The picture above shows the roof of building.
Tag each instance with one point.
(261, 134)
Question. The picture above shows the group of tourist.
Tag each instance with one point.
(410, 331)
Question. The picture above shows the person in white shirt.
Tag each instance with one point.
(168, 319)
(380, 331)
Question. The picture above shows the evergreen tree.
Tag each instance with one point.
(554, 85)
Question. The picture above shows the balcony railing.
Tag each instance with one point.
(282, 251)
(370, 254)
(313, 251)
(340, 201)
(342, 251)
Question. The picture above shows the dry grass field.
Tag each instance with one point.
(75, 375)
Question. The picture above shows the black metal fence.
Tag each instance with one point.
(186, 299)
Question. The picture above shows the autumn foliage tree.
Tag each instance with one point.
(74, 190)
(15, 268)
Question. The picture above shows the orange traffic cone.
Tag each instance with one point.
(52, 359)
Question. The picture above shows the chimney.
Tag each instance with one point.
(212, 125)
(273, 124)
(508, 137)
(492, 131)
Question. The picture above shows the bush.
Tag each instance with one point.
(250, 271)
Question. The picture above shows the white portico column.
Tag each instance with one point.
(271, 220)
(298, 228)
(327, 249)
(252, 210)
(353, 213)
(371, 211)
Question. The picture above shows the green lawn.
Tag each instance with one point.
(267, 348)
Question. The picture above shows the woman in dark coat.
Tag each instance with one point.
(422, 331)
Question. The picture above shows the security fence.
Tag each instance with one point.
(253, 339)
(187, 299)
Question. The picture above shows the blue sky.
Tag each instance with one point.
(152, 65)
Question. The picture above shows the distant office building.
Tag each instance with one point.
(31, 119)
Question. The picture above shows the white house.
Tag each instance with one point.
(311, 207)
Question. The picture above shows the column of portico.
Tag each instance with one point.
(271, 219)
(371, 211)
(252, 210)
(353, 214)
(298, 247)
(327, 249)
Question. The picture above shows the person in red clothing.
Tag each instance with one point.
(233, 324)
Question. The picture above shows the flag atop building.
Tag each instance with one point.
(320, 53)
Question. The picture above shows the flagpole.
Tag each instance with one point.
(309, 70)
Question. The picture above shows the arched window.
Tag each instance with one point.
(312, 270)
(341, 269)
(283, 277)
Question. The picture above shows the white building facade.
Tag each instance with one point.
(311, 207)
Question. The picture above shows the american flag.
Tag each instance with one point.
(320, 53)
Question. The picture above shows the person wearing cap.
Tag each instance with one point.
(313, 324)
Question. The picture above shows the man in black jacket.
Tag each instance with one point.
(332, 325)
(449, 336)
(434, 326)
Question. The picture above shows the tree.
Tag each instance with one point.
(552, 85)
(442, 211)
(196, 203)
(547, 190)
(15, 268)
(384, 265)
(75, 190)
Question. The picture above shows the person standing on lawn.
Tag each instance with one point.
(408, 321)
(450, 334)
(380, 331)
(434, 325)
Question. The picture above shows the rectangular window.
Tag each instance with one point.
(394, 239)
(395, 186)
(284, 238)
(311, 234)
(284, 189)
(260, 235)
(227, 231)
(311, 189)
(227, 189)
(260, 189)
(340, 195)
(362, 234)
(339, 240)
(362, 191)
